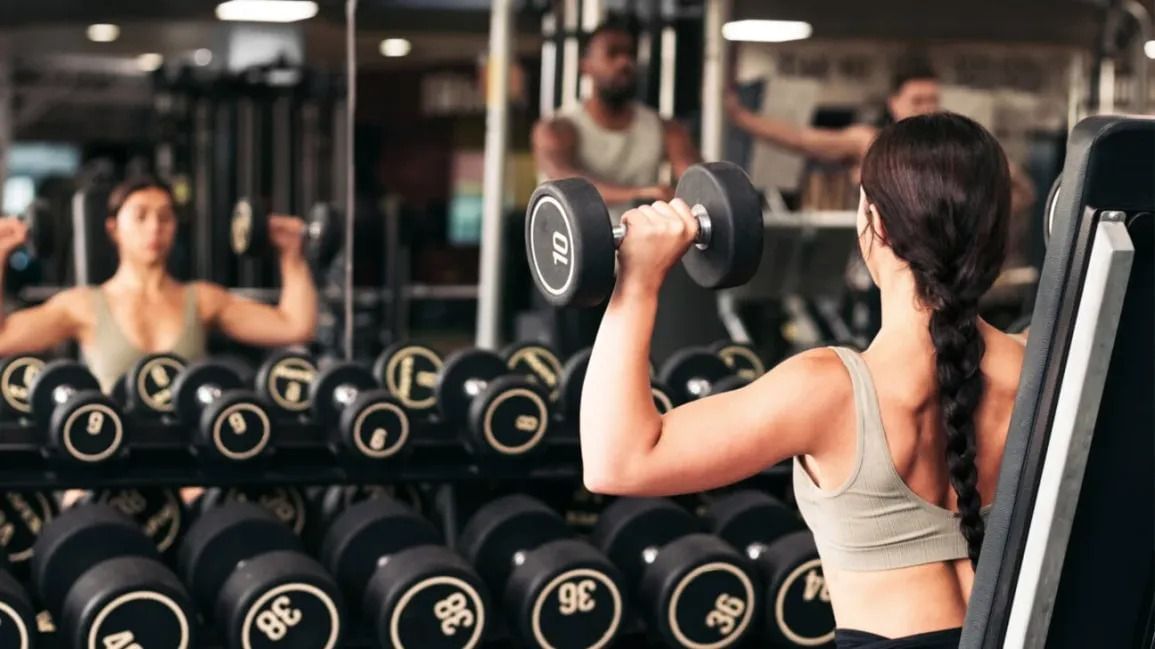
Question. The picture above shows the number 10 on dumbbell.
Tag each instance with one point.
(570, 240)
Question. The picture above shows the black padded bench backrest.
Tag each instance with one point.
(1068, 558)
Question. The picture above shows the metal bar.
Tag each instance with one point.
(593, 12)
(202, 186)
(282, 153)
(669, 72)
(489, 301)
(1106, 87)
(548, 64)
(308, 125)
(1139, 54)
(714, 78)
(571, 56)
(350, 196)
(1076, 90)
(1084, 376)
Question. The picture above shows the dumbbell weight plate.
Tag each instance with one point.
(284, 380)
(158, 511)
(17, 374)
(54, 375)
(87, 428)
(148, 386)
(569, 243)
(323, 389)
(326, 505)
(196, 375)
(17, 618)
(629, 526)
(503, 527)
(22, 515)
(573, 375)
(735, 209)
(688, 371)
(235, 427)
(249, 227)
(286, 504)
(536, 361)
(461, 367)
(662, 400)
(374, 426)
(326, 234)
(742, 359)
(409, 372)
(280, 600)
(747, 518)
(798, 610)
(510, 418)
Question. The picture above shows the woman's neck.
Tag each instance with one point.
(147, 280)
(904, 321)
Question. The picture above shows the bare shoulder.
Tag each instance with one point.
(75, 303)
(813, 382)
(210, 298)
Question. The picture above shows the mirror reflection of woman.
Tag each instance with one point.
(142, 309)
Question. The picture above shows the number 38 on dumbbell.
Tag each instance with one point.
(570, 240)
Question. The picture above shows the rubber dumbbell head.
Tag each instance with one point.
(284, 380)
(17, 617)
(22, 515)
(249, 231)
(507, 416)
(102, 580)
(536, 361)
(694, 589)
(324, 234)
(17, 374)
(286, 503)
(555, 591)
(148, 385)
(691, 373)
(409, 372)
(230, 422)
(160, 512)
(797, 601)
(742, 359)
(370, 424)
(326, 504)
(84, 426)
(250, 572)
(415, 592)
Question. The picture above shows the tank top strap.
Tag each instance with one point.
(871, 434)
(191, 317)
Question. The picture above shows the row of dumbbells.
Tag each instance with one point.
(381, 575)
(503, 404)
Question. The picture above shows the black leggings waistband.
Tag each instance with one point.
(852, 639)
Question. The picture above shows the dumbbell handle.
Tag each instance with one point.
(701, 239)
(208, 393)
(474, 387)
(313, 230)
(61, 393)
(344, 394)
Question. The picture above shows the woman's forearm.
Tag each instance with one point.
(298, 303)
(619, 422)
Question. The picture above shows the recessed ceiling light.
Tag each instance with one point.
(103, 33)
(395, 47)
(149, 62)
(766, 31)
(267, 11)
(202, 57)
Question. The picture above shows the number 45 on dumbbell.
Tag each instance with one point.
(570, 240)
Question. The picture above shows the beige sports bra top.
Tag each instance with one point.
(111, 354)
(874, 521)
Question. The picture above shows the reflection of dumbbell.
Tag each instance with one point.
(283, 381)
(693, 589)
(366, 422)
(555, 591)
(17, 374)
(570, 240)
(146, 389)
(414, 592)
(797, 602)
(158, 511)
(102, 580)
(249, 231)
(287, 504)
(506, 415)
(250, 576)
(230, 422)
(409, 372)
(17, 617)
(22, 515)
(83, 425)
(573, 375)
(536, 361)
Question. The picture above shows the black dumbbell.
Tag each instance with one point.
(160, 512)
(797, 602)
(555, 590)
(692, 373)
(147, 388)
(324, 231)
(573, 375)
(251, 578)
(409, 372)
(22, 515)
(102, 580)
(365, 421)
(17, 374)
(414, 592)
(283, 382)
(536, 361)
(506, 415)
(570, 240)
(230, 422)
(326, 504)
(18, 627)
(742, 359)
(693, 589)
(83, 425)
(287, 504)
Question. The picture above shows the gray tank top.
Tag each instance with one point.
(632, 156)
(874, 521)
(112, 354)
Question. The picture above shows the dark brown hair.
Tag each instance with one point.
(613, 24)
(120, 194)
(942, 189)
(913, 69)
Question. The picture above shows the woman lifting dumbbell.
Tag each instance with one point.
(895, 448)
(143, 309)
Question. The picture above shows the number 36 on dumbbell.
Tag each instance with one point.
(570, 240)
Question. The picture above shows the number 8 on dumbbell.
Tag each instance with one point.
(570, 240)
(231, 423)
